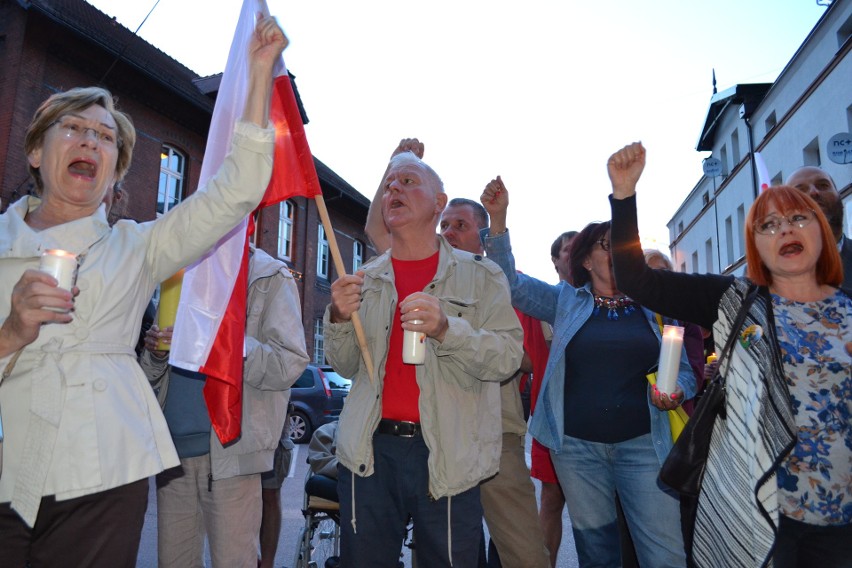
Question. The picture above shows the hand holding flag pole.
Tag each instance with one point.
(341, 269)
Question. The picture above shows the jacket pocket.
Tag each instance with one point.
(459, 308)
(77, 440)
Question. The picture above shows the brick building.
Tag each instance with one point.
(48, 46)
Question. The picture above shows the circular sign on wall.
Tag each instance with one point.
(712, 167)
(839, 148)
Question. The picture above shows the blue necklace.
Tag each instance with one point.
(625, 304)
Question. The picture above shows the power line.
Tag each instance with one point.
(123, 49)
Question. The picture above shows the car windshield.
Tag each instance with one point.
(335, 381)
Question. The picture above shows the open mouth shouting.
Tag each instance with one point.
(83, 168)
(791, 248)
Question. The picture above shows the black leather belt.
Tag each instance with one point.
(398, 428)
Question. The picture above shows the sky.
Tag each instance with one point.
(539, 92)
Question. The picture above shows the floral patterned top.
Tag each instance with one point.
(815, 479)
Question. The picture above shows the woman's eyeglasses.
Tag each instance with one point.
(74, 129)
(771, 224)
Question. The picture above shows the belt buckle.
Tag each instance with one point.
(412, 428)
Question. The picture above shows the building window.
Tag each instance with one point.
(322, 253)
(172, 175)
(319, 343)
(708, 252)
(735, 147)
(257, 228)
(729, 240)
(680, 227)
(695, 261)
(810, 153)
(844, 32)
(683, 267)
(357, 255)
(849, 117)
(705, 199)
(741, 227)
(285, 229)
(770, 122)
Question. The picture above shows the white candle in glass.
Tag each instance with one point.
(670, 350)
(414, 346)
(62, 265)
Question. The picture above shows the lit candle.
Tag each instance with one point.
(60, 264)
(413, 346)
(169, 298)
(670, 351)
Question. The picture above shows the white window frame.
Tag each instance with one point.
(319, 343)
(357, 255)
(286, 212)
(167, 173)
(322, 253)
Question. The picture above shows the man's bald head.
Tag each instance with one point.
(821, 188)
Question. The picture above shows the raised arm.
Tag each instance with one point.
(625, 168)
(530, 295)
(688, 297)
(495, 199)
(264, 51)
(375, 228)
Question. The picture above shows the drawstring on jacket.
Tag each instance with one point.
(450, 529)
(352, 522)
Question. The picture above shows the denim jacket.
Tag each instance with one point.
(567, 308)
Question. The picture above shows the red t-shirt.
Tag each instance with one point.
(400, 394)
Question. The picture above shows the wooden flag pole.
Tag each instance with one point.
(338, 265)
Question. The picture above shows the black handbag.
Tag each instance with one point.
(684, 467)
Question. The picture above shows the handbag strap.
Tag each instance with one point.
(735, 331)
(659, 319)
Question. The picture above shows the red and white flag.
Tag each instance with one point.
(210, 327)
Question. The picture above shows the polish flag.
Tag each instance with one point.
(209, 334)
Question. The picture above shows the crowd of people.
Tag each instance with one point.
(89, 414)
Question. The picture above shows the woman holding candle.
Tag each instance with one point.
(776, 488)
(605, 426)
(83, 429)
(693, 335)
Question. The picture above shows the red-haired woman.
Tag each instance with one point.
(777, 485)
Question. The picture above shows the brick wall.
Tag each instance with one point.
(38, 58)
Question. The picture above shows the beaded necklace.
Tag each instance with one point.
(623, 303)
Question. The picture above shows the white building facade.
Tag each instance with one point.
(789, 122)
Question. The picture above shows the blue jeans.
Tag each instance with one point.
(590, 473)
(399, 487)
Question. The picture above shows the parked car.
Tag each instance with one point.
(317, 398)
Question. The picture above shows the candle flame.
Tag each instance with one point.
(60, 252)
